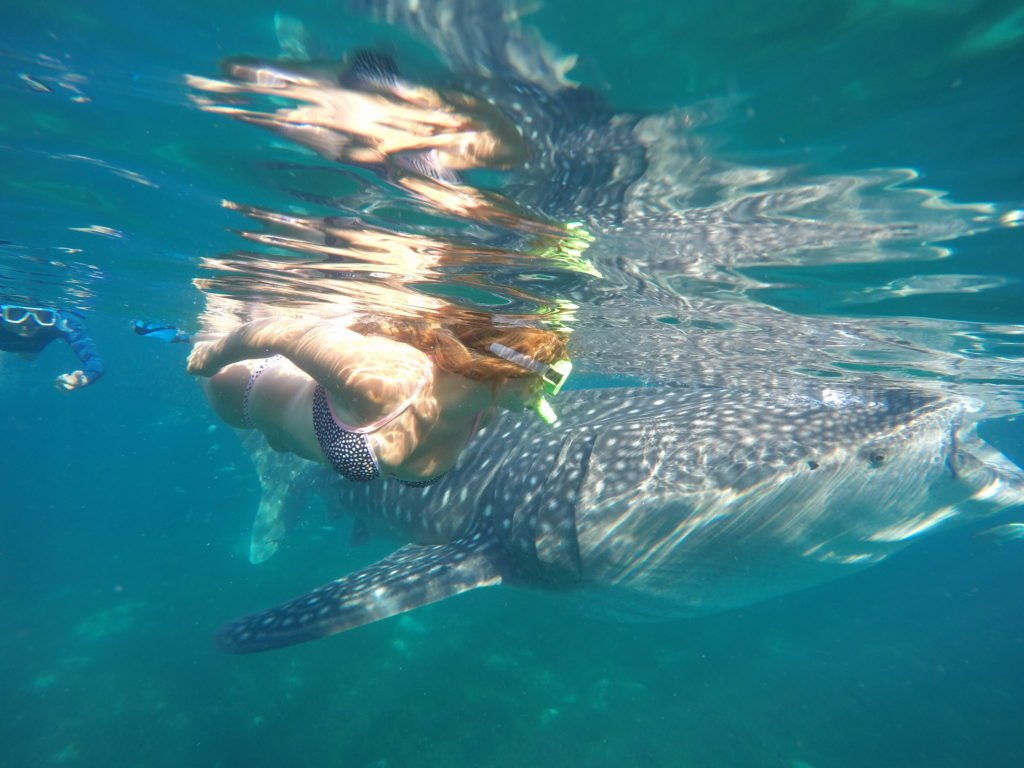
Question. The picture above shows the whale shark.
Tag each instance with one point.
(655, 503)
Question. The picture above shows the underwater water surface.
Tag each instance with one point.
(126, 507)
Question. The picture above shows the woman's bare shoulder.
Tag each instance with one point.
(373, 376)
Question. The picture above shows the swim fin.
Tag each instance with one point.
(167, 333)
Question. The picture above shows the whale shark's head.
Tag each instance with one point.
(692, 502)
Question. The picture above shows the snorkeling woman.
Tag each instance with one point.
(381, 397)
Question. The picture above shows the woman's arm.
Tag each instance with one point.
(259, 338)
(365, 376)
(72, 331)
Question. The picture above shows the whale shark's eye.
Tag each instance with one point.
(876, 458)
(812, 465)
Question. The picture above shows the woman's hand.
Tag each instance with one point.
(204, 358)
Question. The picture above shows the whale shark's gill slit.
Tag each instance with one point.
(408, 578)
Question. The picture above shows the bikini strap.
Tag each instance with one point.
(247, 392)
(374, 426)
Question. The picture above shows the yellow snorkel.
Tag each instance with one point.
(553, 377)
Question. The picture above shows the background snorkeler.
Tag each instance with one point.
(28, 330)
(383, 396)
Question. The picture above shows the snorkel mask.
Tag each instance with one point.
(16, 314)
(553, 377)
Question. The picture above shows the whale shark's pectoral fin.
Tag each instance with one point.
(409, 577)
(276, 513)
(284, 492)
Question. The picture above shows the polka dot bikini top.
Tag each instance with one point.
(346, 448)
(349, 453)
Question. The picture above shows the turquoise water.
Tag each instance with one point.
(126, 507)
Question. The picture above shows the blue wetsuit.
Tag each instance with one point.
(69, 328)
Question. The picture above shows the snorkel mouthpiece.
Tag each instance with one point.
(545, 411)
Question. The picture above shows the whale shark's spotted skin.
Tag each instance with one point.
(663, 503)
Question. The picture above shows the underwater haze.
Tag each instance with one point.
(827, 191)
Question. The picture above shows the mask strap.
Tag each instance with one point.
(518, 358)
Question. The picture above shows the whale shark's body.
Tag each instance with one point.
(662, 502)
